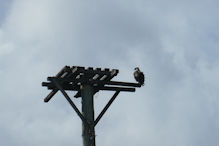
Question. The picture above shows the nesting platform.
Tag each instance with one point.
(71, 78)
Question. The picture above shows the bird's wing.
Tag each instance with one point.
(136, 75)
(141, 77)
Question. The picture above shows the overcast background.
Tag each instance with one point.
(174, 42)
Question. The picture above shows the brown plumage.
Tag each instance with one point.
(139, 76)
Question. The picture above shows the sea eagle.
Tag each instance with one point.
(139, 76)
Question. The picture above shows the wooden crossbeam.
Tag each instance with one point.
(61, 74)
(117, 89)
(92, 81)
(51, 86)
(90, 70)
(123, 84)
(72, 78)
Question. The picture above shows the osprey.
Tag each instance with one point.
(139, 76)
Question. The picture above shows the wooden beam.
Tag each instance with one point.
(51, 86)
(106, 107)
(117, 89)
(123, 84)
(77, 87)
(57, 84)
(61, 73)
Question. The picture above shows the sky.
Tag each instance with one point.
(175, 44)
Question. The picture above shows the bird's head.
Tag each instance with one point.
(137, 69)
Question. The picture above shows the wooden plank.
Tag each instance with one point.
(113, 73)
(108, 88)
(100, 76)
(103, 77)
(62, 73)
(75, 81)
(107, 69)
(123, 84)
(79, 67)
(71, 102)
(96, 72)
(117, 89)
(52, 93)
(65, 87)
(75, 72)
(95, 77)
(98, 69)
(45, 84)
(90, 73)
(106, 107)
(66, 80)
(90, 68)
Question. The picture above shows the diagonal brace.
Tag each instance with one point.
(57, 84)
(106, 107)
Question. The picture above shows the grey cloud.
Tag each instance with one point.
(174, 43)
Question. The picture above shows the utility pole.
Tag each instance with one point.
(87, 92)
(87, 82)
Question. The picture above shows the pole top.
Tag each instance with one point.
(71, 78)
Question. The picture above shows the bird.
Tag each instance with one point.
(139, 76)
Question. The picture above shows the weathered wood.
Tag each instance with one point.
(107, 69)
(103, 77)
(105, 108)
(99, 84)
(59, 74)
(95, 81)
(50, 95)
(117, 89)
(77, 87)
(88, 134)
(95, 77)
(123, 84)
(57, 84)
(79, 67)
(67, 87)
(98, 69)
(45, 84)
(90, 68)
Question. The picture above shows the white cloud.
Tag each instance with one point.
(174, 43)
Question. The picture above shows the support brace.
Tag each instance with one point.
(56, 83)
(106, 107)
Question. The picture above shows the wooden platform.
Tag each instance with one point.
(71, 78)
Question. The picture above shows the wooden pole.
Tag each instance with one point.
(88, 132)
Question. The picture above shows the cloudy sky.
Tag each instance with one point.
(175, 43)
